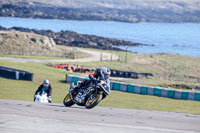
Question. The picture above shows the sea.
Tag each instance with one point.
(177, 38)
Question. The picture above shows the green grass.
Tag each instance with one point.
(24, 90)
(172, 71)
(144, 102)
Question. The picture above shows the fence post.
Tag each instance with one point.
(119, 58)
(101, 57)
(126, 54)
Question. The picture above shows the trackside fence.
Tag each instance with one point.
(145, 90)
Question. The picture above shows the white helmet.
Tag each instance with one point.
(46, 82)
(105, 72)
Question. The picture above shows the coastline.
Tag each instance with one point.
(70, 38)
(144, 11)
(152, 38)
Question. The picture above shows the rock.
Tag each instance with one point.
(70, 38)
(15, 42)
(92, 43)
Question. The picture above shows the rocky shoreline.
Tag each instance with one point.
(170, 12)
(69, 38)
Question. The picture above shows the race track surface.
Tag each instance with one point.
(30, 117)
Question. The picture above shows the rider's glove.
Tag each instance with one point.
(93, 79)
(49, 99)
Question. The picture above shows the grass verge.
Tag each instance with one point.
(24, 90)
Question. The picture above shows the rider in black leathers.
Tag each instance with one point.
(103, 74)
(46, 87)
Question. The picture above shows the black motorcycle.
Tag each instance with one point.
(89, 95)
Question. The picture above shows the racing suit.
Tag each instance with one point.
(47, 89)
(93, 78)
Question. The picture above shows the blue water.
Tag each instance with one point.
(183, 38)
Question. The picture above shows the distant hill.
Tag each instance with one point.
(23, 43)
(173, 11)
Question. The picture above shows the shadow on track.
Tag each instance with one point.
(62, 106)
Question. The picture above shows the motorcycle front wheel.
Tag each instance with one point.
(68, 101)
(93, 101)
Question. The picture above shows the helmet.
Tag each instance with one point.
(105, 72)
(46, 82)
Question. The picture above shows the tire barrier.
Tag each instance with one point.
(17, 74)
(144, 90)
(114, 73)
(125, 74)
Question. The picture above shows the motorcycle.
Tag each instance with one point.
(89, 95)
(41, 97)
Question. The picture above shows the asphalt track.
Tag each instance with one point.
(30, 117)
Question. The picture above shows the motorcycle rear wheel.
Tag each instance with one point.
(95, 100)
(68, 101)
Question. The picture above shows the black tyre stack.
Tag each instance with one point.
(11, 73)
(126, 74)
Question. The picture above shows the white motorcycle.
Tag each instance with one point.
(41, 97)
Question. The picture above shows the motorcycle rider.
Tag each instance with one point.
(46, 87)
(103, 74)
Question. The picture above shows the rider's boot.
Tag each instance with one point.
(74, 90)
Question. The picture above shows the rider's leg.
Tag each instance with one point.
(79, 85)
